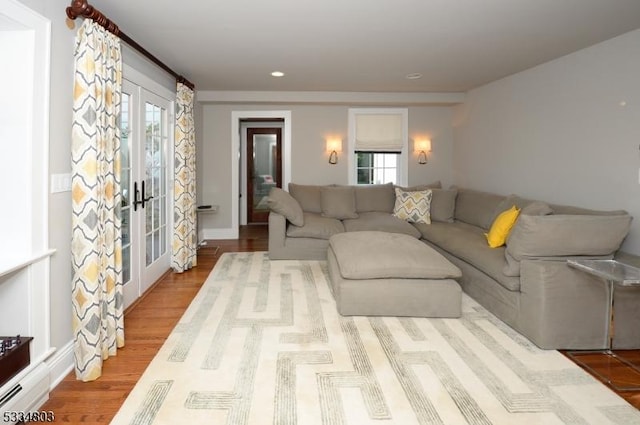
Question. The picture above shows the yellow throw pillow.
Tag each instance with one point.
(501, 227)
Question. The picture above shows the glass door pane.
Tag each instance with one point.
(125, 185)
(155, 187)
(264, 168)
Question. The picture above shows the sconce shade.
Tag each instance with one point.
(334, 145)
(423, 145)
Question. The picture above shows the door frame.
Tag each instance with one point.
(238, 173)
(244, 126)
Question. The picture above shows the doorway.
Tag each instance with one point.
(264, 170)
(239, 121)
(145, 138)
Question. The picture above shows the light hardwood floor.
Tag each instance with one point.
(150, 321)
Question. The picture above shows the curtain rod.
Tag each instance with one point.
(84, 9)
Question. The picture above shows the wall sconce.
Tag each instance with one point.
(422, 147)
(334, 146)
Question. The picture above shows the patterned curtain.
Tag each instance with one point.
(96, 239)
(185, 238)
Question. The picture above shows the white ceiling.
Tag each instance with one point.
(364, 45)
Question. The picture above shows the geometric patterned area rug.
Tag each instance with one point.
(262, 343)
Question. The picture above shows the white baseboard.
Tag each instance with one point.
(60, 364)
(220, 233)
(28, 394)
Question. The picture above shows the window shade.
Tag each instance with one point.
(379, 132)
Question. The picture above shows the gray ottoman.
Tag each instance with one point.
(389, 274)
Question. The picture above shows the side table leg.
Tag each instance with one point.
(610, 316)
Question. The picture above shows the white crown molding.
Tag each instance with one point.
(327, 97)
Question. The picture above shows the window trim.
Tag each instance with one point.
(403, 160)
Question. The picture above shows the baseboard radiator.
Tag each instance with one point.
(28, 394)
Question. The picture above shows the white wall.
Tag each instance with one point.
(565, 132)
(311, 125)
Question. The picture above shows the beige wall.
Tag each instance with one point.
(565, 132)
(310, 126)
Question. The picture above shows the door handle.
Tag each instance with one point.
(138, 196)
(145, 199)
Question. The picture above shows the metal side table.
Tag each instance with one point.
(612, 273)
(203, 209)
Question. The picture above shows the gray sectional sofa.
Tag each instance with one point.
(525, 283)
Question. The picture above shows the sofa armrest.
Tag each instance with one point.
(277, 231)
(564, 235)
(567, 235)
(561, 307)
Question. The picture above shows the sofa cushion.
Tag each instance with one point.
(375, 197)
(536, 208)
(308, 196)
(571, 210)
(508, 202)
(469, 244)
(443, 205)
(512, 266)
(435, 185)
(285, 204)
(476, 207)
(527, 206)
(315, 226)
(414, 207)
(566, 235)
(378, 255)
(497, 235)
(338, 202)
(381, 221)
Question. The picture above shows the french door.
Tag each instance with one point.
(145, 132)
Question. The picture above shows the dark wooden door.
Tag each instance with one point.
(264, 170)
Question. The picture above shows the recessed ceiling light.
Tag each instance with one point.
(414, 76)
(277, 74)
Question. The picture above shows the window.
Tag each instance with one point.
(376, 167)
(377, 146)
